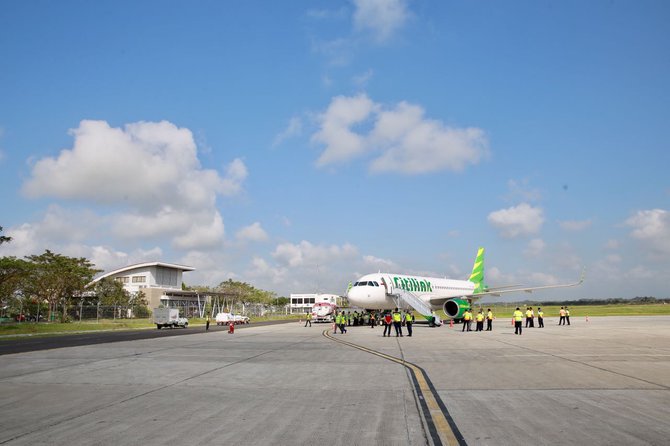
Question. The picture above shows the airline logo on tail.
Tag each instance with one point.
(477, 275)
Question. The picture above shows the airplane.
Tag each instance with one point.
(381, 291)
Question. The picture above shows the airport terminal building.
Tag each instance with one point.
(160, 282)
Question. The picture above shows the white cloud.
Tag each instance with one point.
(253, 232)
(575, 225)
(520, 190)
(535, 247)
(203, 233)
(342, 144)
(51, 233)
(409, 143)
(652, 227)
(145, 164)
(412, 144)
(612, 244)
(375, 263)
(262, 270)
(516, 221)
(362, 80)
(310, 255)
(293, 129)
(381, 17)
(148, 173)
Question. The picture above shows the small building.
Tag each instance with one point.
(303, 303)
(160, 282)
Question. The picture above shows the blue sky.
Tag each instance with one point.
(298, 145)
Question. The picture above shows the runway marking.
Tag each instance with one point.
(441, 426)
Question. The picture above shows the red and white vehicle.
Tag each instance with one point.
(323, 312)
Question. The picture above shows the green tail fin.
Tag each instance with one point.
(477, 275)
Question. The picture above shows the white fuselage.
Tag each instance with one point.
(373, 291)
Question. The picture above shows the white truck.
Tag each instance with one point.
(227, 318)
(168, 317)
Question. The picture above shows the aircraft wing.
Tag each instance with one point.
(507, 289)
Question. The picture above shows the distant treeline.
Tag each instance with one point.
(611, 301)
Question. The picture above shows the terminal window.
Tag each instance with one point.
(139, 279)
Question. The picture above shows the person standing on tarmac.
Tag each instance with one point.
(336, 322)
(207, 322)
(489, 320)
(540, 318)
(529, 317)
(466, 318)
(388, 320)
(409, 319)
(561, 320)
(308, 319)
(397, 321)
(518, 317)
(480, 321)
(373, 319)
(343, 323)
(567, 315)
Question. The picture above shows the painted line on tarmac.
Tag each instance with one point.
(441, 425)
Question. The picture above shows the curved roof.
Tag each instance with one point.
(144, 265)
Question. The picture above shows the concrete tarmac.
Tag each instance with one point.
(605, 382)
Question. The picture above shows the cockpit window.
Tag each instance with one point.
(375, 283)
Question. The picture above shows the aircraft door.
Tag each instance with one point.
(388, 285)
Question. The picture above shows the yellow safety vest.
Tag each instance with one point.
(408, 317)
(490, 315)
(518, 316)
(540, 314)
(480, 317)
(396, 317)
(529, 313)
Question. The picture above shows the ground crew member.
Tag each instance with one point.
(529, 317)
(308, 319)
(466, 320)
(561, 320)
(373, 320)
(207, 322)
(397, 321)
(480, 321)
(387, 323)
(337, 322)
(567, 315)
(409, 319)
(540, 318)
(343, 323)
(518, 317)
(489, 320)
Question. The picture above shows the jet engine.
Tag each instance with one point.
(454, 308)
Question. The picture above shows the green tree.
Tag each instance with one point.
(111, 293)
(13, 273)
(4, 238)
(57, 279)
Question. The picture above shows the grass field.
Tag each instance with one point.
(501, 310)
(52, 328)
